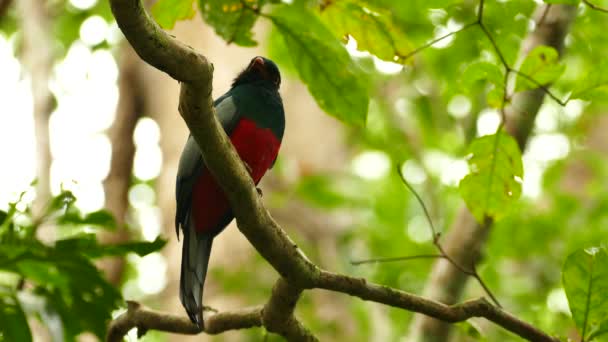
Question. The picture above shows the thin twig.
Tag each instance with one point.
(401, 258)
(595, 7)
(443, 254)
(436, 40)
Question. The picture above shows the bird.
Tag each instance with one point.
(252, 115)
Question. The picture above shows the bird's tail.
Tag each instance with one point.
(195, 258)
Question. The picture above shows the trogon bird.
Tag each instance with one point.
(252, 115)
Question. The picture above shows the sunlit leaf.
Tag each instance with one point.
(542, 65)
(374, 29)
(61, 201)
(494, 180)
(564, 2)
(232, 19)
(594, 86)
(13, 323)
(168, 12)
(602, 329)
(481, 74)
(333, 79)
(585, 279)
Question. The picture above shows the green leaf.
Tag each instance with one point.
(232, 19)
(3, 216)
(594, 85)
(167, 12)
(45, 272)
(601, 330)
(100, 218)
(326, 191)
(13, 323)
(564, 2)
(64, 200)
(332, 77)
(585, 279)
(374, 29)
(87, 245)
(542, 65)
(480, 74)
(494, 181)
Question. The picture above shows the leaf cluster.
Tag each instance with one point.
(58, 282)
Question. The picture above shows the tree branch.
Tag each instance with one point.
(196, 107)
(298, 273)
(158, 48)
(361, 288)
(278, 315)
(145, 319)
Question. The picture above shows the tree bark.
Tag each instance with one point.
(466, 237)
(38, 59)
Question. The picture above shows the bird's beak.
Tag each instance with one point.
(257, 63)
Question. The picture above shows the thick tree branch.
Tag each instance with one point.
(158, 48)
(196, 107)
(278, 315)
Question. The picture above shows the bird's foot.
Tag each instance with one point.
(259, 192)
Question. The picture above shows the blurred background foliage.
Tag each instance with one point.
(335, 188)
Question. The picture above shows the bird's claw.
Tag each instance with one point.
(259, 192)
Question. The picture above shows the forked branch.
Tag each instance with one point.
(195, 73)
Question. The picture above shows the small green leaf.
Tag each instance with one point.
(168, 12)
(64, 200)
(602, 329)
(542, 65)
(3, 216)
(564, 2)
(87, 245)
(480, 74)
(494, 181)
(374, 29)
(44, 272)
(232, 19)
(594, 85)
(332, 77)
(13, 323)
(495, 97)
(100, 218)
(585, 279)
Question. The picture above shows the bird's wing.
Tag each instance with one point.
(191, 164)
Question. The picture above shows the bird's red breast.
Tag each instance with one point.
(258, 147)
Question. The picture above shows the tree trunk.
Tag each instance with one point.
(38, 59)
(116, 186)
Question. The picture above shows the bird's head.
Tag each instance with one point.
(259, 69)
